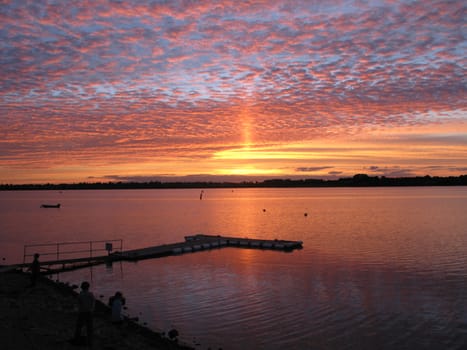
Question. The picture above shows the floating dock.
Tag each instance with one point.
(202, 242)
(191, 244)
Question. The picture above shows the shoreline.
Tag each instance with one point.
(44, 317)
(358, 180)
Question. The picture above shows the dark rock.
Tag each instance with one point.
(173, 333)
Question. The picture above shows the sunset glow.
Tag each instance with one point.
(160, 90)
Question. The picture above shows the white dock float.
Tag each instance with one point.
(221, 241)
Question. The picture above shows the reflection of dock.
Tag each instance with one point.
(191, 244)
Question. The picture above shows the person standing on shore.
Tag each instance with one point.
(116, 304)
(35, 270)
(86, 304)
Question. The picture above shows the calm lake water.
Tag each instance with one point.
(381, 268)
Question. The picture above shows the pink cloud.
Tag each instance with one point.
(141, 76)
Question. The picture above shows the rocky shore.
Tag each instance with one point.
(44, 317)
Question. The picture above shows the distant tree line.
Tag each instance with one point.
(359, 180)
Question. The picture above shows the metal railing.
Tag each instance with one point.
(60, 251)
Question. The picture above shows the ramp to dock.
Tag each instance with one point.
(191, 244)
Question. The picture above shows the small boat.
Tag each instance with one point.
(50, 205)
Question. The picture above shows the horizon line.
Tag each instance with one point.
(355, 179)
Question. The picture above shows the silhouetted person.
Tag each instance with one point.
(86, 303)
(35, 270)
(116, 304)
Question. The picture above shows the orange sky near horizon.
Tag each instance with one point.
(221, 90)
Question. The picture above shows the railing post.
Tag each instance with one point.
(58, 251)
(90, 249)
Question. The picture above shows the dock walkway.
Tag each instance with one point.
(191, 244)
(202, 242)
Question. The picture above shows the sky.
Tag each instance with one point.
(231, 90)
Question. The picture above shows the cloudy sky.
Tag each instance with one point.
(124, 90)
